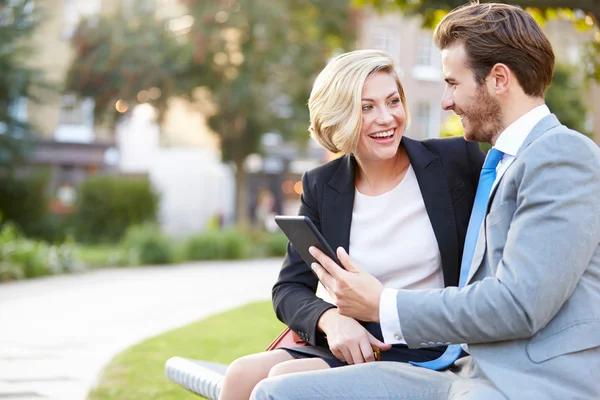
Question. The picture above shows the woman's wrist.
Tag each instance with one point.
(327, 319)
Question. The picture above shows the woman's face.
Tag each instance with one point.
(383, 119)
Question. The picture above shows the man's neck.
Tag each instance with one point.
(513, 110)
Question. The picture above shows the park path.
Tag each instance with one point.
(58, 333)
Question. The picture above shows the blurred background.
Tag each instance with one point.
(160, 131)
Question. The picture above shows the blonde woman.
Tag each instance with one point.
(399, 206)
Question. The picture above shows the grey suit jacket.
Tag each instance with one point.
(531, 310)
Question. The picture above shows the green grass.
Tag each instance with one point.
(138, 372)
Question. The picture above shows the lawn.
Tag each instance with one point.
(138, 372)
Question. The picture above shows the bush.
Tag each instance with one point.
(24, 258)
(146, 244)
(217, 245)
(23, 201)
(276, 245)
(108, 205)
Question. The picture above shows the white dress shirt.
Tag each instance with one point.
(509, 142)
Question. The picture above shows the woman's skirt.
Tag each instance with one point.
(398, 352)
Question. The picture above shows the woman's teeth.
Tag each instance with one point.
(383, 134)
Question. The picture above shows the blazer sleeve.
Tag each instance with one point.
(294, 298)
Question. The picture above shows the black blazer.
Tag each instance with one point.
(447, 171)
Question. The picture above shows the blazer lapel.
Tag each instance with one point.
(338, 202)
(438, 203)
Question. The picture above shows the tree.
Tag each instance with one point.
(255, 58)
(18, 81)
(117, 57)
(259, 59)
(564, 97)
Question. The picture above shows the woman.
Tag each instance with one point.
(399, 206)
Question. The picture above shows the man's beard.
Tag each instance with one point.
(484, 117)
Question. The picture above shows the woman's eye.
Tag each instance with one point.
(367, 107)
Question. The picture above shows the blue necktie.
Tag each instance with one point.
(486, 181)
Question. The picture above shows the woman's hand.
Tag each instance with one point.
(348, 340)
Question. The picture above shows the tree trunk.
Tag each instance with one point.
(241, 193)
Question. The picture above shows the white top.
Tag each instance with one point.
(391, 237)
(509, 142)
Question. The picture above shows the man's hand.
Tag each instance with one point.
(355, 292)
(348, 340)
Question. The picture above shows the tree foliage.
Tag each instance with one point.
(434, 10)
(565, 95)
(118, 56)
(256, 59)
(17, 79)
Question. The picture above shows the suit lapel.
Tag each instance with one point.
(338, 202)
(431, 177)
(538, 130)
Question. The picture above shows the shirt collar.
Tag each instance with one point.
(511, 139)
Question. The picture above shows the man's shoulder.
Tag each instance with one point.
(563, 140)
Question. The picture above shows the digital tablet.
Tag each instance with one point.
(302, 234)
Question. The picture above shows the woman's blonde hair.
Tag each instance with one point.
(335, 100)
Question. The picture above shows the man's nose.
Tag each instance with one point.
(447, 101)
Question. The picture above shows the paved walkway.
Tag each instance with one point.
(58, 333)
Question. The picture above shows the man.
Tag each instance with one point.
(528, 306)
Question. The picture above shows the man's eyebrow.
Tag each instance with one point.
(394, 93)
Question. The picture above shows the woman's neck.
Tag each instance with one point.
(374, 178)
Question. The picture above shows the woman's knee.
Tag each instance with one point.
(259, 364)
(240, 366)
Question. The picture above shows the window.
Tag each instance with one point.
(75, 112)
(428, 60)
(387, 40)
(423, 121)
(425, 50)
(75, 11)
(76, 121)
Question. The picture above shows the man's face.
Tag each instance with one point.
(479, 111)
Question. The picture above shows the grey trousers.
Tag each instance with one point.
(381, 380)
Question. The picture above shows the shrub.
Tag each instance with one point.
(23, 201)
(276, 245)
(24, 258)
(108, 205)
(217, 245)
(146, 244)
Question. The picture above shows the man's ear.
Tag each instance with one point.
(500, 78)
